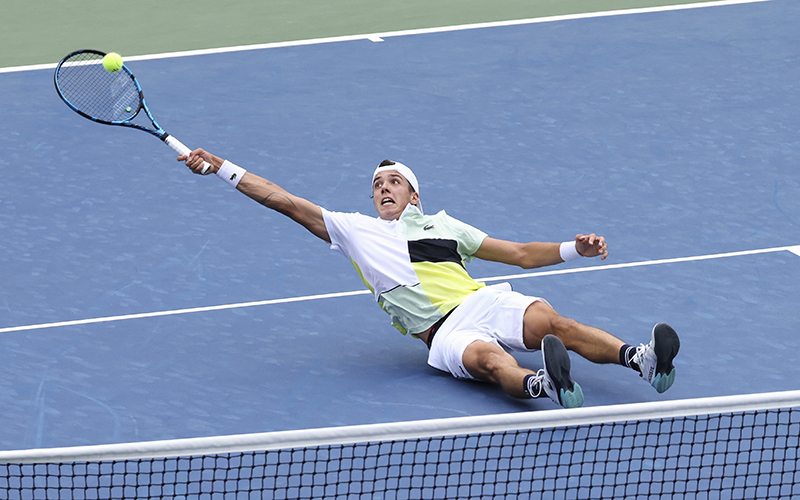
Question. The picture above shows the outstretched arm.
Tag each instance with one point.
(266, 193)
(536, 254)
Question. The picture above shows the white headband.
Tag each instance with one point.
(405, 172)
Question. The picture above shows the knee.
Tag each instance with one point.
(562, 327)
(541, 320)
(492, 362)
(485, 360)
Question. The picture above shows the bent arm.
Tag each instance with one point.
(537, 254)
(266, 193)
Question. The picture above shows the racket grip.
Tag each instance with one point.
(181, 149)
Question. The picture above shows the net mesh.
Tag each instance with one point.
(84, 83)
(749, 454)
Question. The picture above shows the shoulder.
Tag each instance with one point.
(352, 217)
(455, 224)
(354, 225)
(440, 217)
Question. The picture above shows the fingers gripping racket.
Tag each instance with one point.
(112, 98)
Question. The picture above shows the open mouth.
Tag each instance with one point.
(386, 201)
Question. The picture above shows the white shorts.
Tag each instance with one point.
(492, 314)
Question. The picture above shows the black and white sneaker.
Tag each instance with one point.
(554, 377)
(655, 359)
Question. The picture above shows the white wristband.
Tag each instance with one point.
(569, 251)
(231, 173)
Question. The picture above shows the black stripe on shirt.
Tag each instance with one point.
(434, 250)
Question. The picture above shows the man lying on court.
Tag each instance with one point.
(414, 265)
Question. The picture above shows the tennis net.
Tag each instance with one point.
(725, 447)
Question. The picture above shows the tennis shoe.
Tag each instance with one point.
(554, 377)
(655, 359)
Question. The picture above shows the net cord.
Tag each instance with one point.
(405, 430)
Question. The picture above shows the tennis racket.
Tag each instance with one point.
(105, 97)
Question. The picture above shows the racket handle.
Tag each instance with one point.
(181, 149)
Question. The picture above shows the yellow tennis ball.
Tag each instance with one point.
(112, 62)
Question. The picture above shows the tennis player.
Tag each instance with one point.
(415, 265)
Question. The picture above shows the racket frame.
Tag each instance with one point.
(156, 131)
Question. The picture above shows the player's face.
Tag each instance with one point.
(391, 193)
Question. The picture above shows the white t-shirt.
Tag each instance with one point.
(414, 265)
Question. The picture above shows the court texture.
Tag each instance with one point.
(140, 302)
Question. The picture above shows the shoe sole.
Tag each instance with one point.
(557, 364)
(666, 345)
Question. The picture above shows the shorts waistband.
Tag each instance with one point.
(432, 330)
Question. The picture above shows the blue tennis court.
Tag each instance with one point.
(674, 134)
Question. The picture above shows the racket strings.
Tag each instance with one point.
(85, 84)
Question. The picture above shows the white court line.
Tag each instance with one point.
(794, 249)
(108, 319)
(379, 37)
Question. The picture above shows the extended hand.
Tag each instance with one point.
(591, 245)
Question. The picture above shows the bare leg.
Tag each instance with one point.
(592, 343)
(488, 362)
